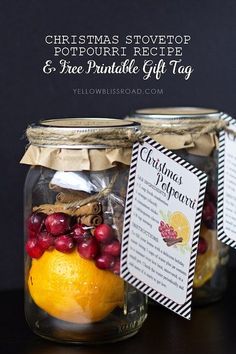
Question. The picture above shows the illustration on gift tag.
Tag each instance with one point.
(175, 229)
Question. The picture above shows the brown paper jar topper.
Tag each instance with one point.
(193, 134)
(74, 210)
(190, 128)
(80, 144)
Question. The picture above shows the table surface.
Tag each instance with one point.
(211, 330)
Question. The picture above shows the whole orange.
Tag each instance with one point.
(73, 289)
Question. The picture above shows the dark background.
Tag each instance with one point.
(28, 95)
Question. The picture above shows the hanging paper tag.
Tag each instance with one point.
(161, 226)
(226, 184)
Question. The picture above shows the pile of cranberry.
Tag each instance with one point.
(167, 231)
(62, 232)
(209, 214)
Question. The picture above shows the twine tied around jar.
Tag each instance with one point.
(181, 127)
(95, 149)
(111, 137)
(118, 137)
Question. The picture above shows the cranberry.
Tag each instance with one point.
(174, 234)
(202, 246)
(104, 233)
(165, 234)
(112, 248)
(78, 233)
(35, 221)
(167, 231)
(64, 243)
(33, 249)
(57, 223)
(160, 229)
(213, 194)
(105, 261)
(32, 234)
(45, 240)
(209, 215)
(116, 267)
(88, 248)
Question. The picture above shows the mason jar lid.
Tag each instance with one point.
(87, 124)
(176, 113)
(82, 132)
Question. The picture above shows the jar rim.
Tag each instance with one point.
(176, 113)
(86, 123)
(82, 133)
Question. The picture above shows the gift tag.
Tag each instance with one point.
(226, 184)
(161, 226)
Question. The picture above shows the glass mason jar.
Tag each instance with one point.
(192, 134)
(74, 207)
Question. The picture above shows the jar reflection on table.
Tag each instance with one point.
(73, 230)
(179, 129)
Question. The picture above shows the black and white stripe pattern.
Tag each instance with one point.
(185, 309)
(221, 171)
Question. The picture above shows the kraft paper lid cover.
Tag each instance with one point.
(192, 128)
(76, 144)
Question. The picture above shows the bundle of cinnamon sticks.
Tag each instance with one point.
(89, 214)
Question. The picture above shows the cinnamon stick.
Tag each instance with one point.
(53, 208)
(88, 209)
(91, 220)
(69, 196)
(94, 208)
(172, 241)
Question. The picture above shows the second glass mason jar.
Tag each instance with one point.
(74, 206)
(192, 134)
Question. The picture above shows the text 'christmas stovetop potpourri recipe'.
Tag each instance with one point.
(146, 55)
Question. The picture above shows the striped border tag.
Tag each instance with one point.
(185, 309)
(221, 172)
